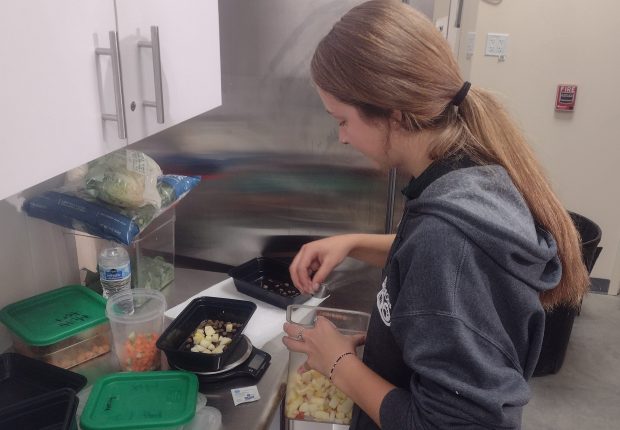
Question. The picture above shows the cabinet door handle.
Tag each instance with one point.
(158, 104)
(114, 52)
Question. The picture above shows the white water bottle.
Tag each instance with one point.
(114, 271)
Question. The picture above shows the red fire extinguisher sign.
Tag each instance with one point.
(565, 98)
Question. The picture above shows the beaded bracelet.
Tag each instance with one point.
(340, 357)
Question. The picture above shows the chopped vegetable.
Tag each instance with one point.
(311, 396)
(211, 337)
(140, 353)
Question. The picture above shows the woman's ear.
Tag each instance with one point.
(396, 118)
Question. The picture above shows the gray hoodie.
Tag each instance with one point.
(458, 324)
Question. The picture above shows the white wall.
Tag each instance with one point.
(553, 42)
(35, 256)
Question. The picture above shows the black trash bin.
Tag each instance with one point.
(559, 321)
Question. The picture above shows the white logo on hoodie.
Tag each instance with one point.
(383, 303)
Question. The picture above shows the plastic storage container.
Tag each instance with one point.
(267, 280)
(23, 378)
(310, 396)
(151, 253)
(52, 411)
(136, 332)
(144, 400)
(173, 340)
(63, 327)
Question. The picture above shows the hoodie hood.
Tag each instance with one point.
(483, 203)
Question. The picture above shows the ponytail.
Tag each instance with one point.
(494, 137)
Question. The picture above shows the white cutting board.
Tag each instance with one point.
(265, 324)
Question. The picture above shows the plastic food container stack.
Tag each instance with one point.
(310, 396)
(52, 411)
(267, 280)
(23, 379)
(63, 327)
(174, 340)
(144, 400)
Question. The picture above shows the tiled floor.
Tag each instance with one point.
(585, 393)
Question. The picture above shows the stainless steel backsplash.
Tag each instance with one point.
(274, 174)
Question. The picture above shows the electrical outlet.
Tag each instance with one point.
(497, 45)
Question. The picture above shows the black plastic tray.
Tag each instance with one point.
(23, 378)
(51, 411)
(257, 277)
(198, 310)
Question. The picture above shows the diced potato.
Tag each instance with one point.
(317, 400)
(229, 327)
(306, 377)
(218, 349)
(209, 330)
(210, 347)
(304, 389)
(313, 396)
(345, 406)
(205, 343)
(321, 415)
(225, 340)
(333, 403)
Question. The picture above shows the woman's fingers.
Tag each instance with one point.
(301, 269)
(294, 339)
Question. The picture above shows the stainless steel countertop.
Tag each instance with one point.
(352, 288)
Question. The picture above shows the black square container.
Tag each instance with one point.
(267, 280)
(51, 411)
(182, 327)
(23, 378)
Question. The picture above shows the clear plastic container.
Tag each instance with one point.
(151, 253)
(310, 396)
(135, 333)
(64, 327)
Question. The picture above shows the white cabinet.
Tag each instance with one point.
(55, 90)
(187, 41)
(51, 97)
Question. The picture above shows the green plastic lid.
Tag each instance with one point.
(141, 400)
(56, 315)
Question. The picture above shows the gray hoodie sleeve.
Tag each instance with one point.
(447, 322)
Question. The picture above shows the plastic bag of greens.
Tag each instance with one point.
(74, 207)
(125, 178)
(174, 187)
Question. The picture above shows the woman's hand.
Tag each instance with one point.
(322, 344)
(316, 260)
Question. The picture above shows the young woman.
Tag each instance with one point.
(483, 245)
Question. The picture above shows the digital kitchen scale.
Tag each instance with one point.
(246, 360)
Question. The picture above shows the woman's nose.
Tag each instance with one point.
(342, 139)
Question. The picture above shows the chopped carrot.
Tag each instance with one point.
(140, 353)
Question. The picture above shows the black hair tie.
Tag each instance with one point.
(460, 96)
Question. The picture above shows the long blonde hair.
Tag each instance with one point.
(384, 56)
